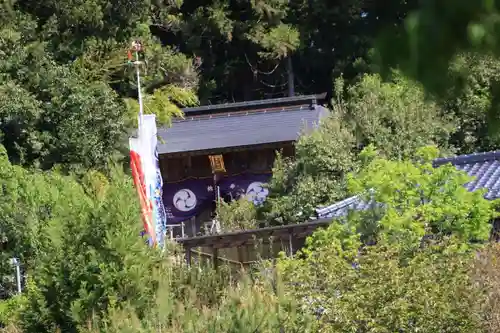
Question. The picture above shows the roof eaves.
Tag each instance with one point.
(209, 116)
(320, 212)
(308, 99)
(467, 159)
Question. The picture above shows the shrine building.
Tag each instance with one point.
(226, 151)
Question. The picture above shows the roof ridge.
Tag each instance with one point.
(299, 99)
(338, 205)
(243, 113)
(468, 158)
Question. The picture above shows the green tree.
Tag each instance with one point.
(90, 262)
(243, 47)
(316, 176)
(65, 85)
(433, 35)
(470, 100)
(376, 292)
(414, 201)
(237, 215)
(451, 48)
(394, 116)
(79, 258)
(405, 264)
(337, 37)
(243, 308)
(25, 210)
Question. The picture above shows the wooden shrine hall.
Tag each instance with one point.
(225, 151)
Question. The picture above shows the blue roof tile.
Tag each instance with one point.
(484, 167)
(342, 208)
(239, 129)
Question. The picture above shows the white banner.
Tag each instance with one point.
(150, 175)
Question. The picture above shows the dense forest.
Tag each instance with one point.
(407, 80)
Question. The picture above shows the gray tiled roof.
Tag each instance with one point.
(342, 208)
(238, 129)
(484, 167)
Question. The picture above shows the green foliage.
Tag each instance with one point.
(95, 263)
(376, 292)
(417, 201)
(434, 34)
(485, 273)
(472, 100)
(244, 308)
(393, 116)
(80, 245)
(9, 310)
(237, 215)
(27, 207)
(407, 263)
(64, 75)
(241, 44)
(314, 177)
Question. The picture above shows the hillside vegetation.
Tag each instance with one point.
(407, 80)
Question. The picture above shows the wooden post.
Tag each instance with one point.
(193, 226)
(290, 244)
(241, 257)
(215, 257)
(188, 256)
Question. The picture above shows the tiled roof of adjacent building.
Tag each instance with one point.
(241, 124)
(483, 167)
(341, 208)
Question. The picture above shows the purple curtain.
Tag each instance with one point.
(188, 198)
(250, 185)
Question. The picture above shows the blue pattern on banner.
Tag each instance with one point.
(186, 199)
(253, 186)
(159, 212)
(189, 198)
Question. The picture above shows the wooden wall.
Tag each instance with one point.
(247, 255)
(177, 168)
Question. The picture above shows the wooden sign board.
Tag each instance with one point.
(217, 163)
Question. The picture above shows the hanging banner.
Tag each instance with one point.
(188, 198)
(148, 180)
(140, 185)
(251, 186)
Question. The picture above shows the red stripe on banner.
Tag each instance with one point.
(140, 185)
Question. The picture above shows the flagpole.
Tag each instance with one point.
(136, 46)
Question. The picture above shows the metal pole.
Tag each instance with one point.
(17, 264)
(139, 92)
(18, 276)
